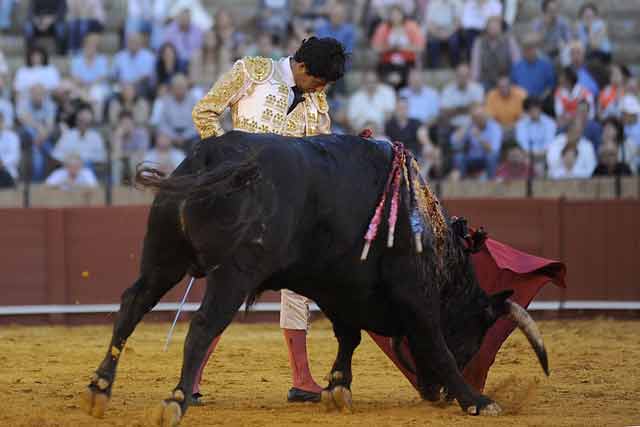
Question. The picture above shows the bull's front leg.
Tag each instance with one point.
(432, 356)
(337, 395)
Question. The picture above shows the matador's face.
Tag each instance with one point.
(306, 81)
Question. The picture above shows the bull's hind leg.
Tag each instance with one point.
(227, 288)
(164, 263)
(338, 392)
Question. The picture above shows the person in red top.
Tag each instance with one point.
(514, 166)
(611, 96)
(399, 42)
(568, 96)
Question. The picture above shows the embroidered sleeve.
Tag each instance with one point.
(225, 92)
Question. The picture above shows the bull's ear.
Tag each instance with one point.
(497, 307)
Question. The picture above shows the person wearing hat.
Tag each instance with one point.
(533, 73)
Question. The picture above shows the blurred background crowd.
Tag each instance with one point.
(478, 89)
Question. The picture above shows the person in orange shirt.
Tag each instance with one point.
(505, 104)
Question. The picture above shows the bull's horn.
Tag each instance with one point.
(526, 324)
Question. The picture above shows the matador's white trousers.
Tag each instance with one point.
(294, 310)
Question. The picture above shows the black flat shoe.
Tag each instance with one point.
(298, 395)
(196, 399)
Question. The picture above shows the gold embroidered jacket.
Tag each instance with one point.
(258, 98)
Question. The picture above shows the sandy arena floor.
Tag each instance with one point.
(595, 379)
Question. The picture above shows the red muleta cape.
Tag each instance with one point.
(498, 267)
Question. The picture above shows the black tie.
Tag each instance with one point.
(297, 98)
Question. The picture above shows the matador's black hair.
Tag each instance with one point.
(325, 58)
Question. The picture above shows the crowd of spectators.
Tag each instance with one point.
(549, 102)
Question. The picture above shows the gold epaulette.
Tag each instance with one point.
(258, 68)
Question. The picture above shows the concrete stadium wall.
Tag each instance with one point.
(61, 258)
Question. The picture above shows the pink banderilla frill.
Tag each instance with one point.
(393, 213)
(372, 230)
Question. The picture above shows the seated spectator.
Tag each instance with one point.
(505, 104)
(611, 96)
(135, 65)
(585, 78)
(493, 54)
(554, 29)
(229, 37)
(591, 30)
(82, 140)
(571, 156)
(306, 16)
(608, 163)
(185, 36)
(209, 63)
(128, 99)
(172, 113)
(374, 102)
(200, 16)
(399, 43)
(338, 27)
(73, 176)
(477, 146)
(36, 70)
(84, 17)
(424, 101)
(6, 9)
(533, 73)
(613, 134)
(129, 143)
(90, 72)
(264, 46)
(68, 100)
(5, 90)
(9, 155)
(273, 16)
(475, 17)
(47, 18)
(443, 30)
(568, 95)
(535, 132)
(458, 97)
(631, 120)
(514, 166)
(431, 158)
(168, 65)
(591, 129)
(37, 113)
(6, 109)
(402, 128)
(164, 155)
(139, 17)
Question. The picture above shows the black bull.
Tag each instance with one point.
(257, 212)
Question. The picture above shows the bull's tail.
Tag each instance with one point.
(220, 181)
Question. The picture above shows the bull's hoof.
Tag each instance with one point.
(167, 414)
(339, 398)
(492, 410)
(94, 401)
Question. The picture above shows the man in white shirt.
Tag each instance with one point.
(9, 154)
(535, 132)
(73, 175)
(165, 157)
(424, 101)
(458, 97)
(374, 102)
(82, 140)
(566, 145)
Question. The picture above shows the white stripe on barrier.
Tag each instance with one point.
(11, 310)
